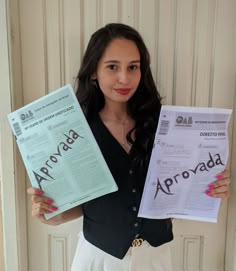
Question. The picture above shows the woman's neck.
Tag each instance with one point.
(118, 112)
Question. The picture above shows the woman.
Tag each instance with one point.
(121, 103)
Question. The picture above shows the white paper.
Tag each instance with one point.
(59, 151)
(190, 148)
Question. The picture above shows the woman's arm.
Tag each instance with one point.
(42, 205)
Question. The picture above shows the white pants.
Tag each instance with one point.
(143, 258)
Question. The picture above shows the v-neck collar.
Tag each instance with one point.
(112, 137)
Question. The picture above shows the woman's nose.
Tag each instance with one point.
(123, 77)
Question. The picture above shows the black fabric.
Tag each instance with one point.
(110, 221)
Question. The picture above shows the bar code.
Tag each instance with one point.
(17, 129)
(164, 128)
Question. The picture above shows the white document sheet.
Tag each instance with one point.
(190, 148)
(59, 151)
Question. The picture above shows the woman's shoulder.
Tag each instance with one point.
(93, 120)
(96, 126)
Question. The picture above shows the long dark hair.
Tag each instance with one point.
(144, 106)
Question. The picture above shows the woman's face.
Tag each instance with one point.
(118, 71)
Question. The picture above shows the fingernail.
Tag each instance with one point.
(54, 208)
(40, 192)
(211, 186)
(219, 177)
(49, 201)
(208, 192)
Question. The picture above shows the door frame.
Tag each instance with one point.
(13, 215)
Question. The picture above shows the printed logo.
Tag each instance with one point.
(184, 121)
(26, 116)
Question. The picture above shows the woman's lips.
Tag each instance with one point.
(122, 91)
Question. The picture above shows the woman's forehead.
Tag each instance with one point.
(121, 48)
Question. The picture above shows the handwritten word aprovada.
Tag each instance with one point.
(166, 185)
(53, 159)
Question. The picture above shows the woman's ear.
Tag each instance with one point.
(94, 80)
(94, 76)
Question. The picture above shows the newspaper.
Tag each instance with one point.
(190, 149)
(59, 151)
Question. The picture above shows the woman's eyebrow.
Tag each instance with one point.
(116, 61)
(135, 61)
(113, 61)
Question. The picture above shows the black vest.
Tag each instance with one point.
(111, 222)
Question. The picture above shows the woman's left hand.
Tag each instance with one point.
(220, 187)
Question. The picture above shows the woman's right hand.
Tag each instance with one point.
(41, 205)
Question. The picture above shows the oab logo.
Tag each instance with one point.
(180, 120)
(26, 116)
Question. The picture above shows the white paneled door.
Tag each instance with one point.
(192, 47)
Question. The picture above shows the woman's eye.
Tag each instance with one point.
(133, 67)
(112, 67)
